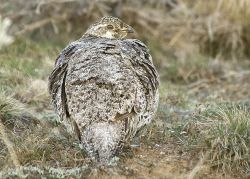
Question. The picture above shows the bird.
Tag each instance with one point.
(105, 88)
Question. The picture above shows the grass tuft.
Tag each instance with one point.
(228, 141)
(222, 132)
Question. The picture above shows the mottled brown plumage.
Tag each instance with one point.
(105, 89)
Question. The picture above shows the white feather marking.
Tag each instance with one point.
(108, 34)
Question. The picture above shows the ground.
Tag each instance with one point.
(184, 141)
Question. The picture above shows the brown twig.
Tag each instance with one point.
(38, 24)
(9, 145)
(198, 167)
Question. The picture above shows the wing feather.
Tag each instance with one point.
(99, 79)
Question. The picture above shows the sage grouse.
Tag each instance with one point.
(105, 88)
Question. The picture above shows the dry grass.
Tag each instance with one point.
(179, 28)
(222, 133)
(229, 140)
(9, 146)
(192, 43)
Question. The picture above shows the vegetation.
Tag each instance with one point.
(221, 133)
(202, 127)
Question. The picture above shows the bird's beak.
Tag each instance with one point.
(128, 29)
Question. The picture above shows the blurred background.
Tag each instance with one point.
(180, 33)
(200, 48)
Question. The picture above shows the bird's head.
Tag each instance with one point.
(109, 27)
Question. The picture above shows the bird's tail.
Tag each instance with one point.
(103, 140)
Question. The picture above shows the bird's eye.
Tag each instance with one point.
(110, 26)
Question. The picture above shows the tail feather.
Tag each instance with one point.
(103, 140)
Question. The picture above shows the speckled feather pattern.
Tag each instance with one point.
(105, 90)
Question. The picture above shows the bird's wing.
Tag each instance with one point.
(57, 78)
(144, 69)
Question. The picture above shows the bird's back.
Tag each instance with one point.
(107, 89)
